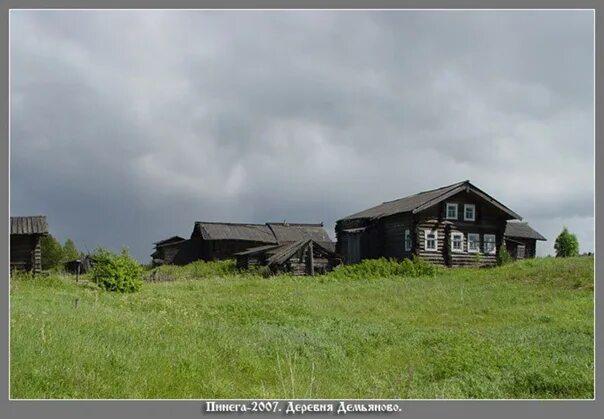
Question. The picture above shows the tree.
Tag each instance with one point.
(70, 251)
(52, 252)
(566, 244)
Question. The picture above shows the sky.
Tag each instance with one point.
(126, 127)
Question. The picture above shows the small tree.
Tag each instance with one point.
(116, 272)
(52, 252)
(503, 256)
(566, 244)
(70, 251)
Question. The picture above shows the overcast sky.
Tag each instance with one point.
(128, 126)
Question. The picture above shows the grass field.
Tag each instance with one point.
(520, 331)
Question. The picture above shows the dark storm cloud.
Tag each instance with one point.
(128, 126)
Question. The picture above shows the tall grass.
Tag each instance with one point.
(524, 330)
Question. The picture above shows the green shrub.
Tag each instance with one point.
(566, 244)
(116, 272)
(383, 268)
(503, 256)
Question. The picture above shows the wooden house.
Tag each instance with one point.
(302, 257)
(25, 246)
(454, 225)
(521, 240)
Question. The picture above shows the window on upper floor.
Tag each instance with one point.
(473, 242)
(451, 211)
(489, 244)
(457, 242)
(469, 212)
(431, 242)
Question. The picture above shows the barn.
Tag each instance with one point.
(454, 225)
(217, 240)
(25, 246)
(521, 240)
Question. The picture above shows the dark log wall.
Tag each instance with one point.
(392, 236)
(529, 250)
(25, 252)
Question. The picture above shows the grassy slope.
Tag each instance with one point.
(522, 331)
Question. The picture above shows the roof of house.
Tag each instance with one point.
(173, 239)
(522, 231)
(423, 200)
(282, 253)
(29, 225)
(290, 232)
(234, 231)
(270, 233)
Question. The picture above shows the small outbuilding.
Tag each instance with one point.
(166, 250)
(302, 257)
(79, 266)
(25, 242)
(521, 240)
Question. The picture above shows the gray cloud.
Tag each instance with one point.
(128, 126)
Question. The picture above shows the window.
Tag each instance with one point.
(407, 240)
(457, 242)
(451, 211)
(469, 212)
(489, 244)
(520, 251)
(473, 242)
(431, 240)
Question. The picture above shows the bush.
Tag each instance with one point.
(566, 244)
(116, 272)
(503, 256)
(383, 268)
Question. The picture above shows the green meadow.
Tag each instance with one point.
(524, 330)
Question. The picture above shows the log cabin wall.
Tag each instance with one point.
(392, 236)
(25, 252)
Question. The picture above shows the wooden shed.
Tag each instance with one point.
(166, 250)
(79, 266)
(25, 246)
(521, 240)
(302, 257)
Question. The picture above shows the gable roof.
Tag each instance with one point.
(173, 239)
(282, 253)
(288, 232)
(522, 231)
(233, 231)
(423, 200)
(29, 225)
(270, 233)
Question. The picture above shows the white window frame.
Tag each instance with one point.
(451, 205)
(426, 234)
(453, 236)
(465, 208)
(477, 249)
(484, 243)
(408, 243)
